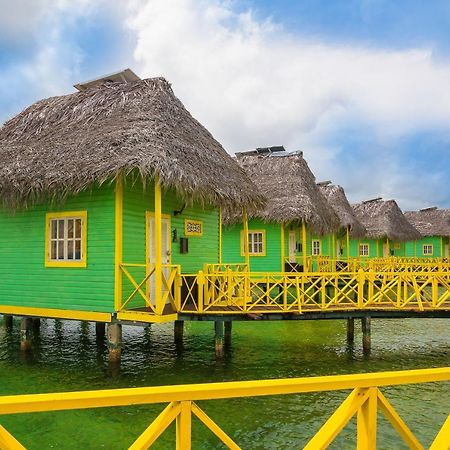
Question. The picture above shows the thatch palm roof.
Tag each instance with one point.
(384, 219)
(63, 145)
(430, 221)
(336, 197)
(290, 188)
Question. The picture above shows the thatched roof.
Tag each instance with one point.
(63, 145)
(290, 187)
(430, 221)
(384, 219)
(336, 197)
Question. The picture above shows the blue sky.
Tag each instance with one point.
(359, 85)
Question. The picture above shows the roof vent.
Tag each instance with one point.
(431, 208)
(123, 76)
(373, 200)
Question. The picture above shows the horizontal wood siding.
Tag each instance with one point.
(24, 279)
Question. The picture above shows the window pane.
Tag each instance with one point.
(60, 249)
(78, 228)
(53, 249)
(77, 255)
(70, 228)
(54, 229)
(61, 229)
(70, 254)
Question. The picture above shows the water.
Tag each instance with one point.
(66, 357)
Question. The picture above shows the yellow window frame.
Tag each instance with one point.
(64, 215)
(263, 232)
(364, 244)
(427, 245)
(320, 247)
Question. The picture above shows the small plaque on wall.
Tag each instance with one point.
(193, 227)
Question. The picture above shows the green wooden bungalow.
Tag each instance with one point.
(289, 231)
(107, 189)
(434, 226)
(388, 230)
(351, 229)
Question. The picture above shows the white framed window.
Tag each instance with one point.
(316, 247)
(363, 249)
(256, 243)
(428, 249)
(66, 239)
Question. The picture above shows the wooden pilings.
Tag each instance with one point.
(8, 321)
(366, 332)
(219, 337)
(100, 330)
(114, 342)
(350, 330)
(227, 334)
(26, 325)
(178, 330)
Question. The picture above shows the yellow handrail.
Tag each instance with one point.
(365, 400)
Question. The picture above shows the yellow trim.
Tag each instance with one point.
(220, 236)
(193, 233)
(432, 250)
(368, 250)
(304, 245)
(263, 242)
(55, 313)
(282, 245)
(348, 242)
(118, 245)
(312, 247)
(136, 316)
(158, 247)
(244, 239)
(63, 215)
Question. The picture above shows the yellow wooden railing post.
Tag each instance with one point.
(184, 426)
(348, 241)
(118, 244)
(434, 291)
(304, 246)
(246, 249)
(361, 283)
(177, 288)
(158, 247)
(201, 288)
(367, 422)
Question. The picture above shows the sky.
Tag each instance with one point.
(362, 87)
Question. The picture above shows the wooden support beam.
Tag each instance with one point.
(178, 328)
(114, 342)
(8, 321)
(100, 330)
(227, 334)
(366, 331)
(218, 336)
(25, 333)
(350, 330)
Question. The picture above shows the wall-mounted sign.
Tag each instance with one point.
(193, 227)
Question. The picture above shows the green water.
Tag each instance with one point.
(67, 357)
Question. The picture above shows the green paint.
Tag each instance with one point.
(25, 281)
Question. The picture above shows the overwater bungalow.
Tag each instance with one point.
(388, 230)
(107, 194)
(351, 229)
(285, 234)
(434, 226)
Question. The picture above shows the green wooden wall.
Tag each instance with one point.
(415, 248)
(24, 279)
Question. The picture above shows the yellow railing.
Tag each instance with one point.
(364, 402)
(140, 289)
(241, 292)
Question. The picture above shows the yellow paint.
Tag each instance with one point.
(319, 246)
(144, 317)
(365, 401)
(281, 245)
(158, 247)
(442, 247)
(188, 223)
(348, 241)
(304, 246)
(333, 246)
(245, 240)
(64, 215)
(244, 246)
(220, 236)
(118, 245)
(55, 313)
(360, 252)
(428, 247)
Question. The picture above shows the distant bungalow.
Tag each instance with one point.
(351, 228)
(388, 230)
(107, 191)
(289, 230)
(434, 226)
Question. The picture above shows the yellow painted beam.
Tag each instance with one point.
(442, 441)
(12, 404)
(118, 244)
(56, 313)
(158, 247)
(282, 245)
(246, 249)
(220, 236)
(304, 246)
(145, 317)
(348, 242)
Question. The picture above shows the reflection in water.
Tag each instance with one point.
(68, 356)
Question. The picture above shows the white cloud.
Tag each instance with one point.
(253, 84)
